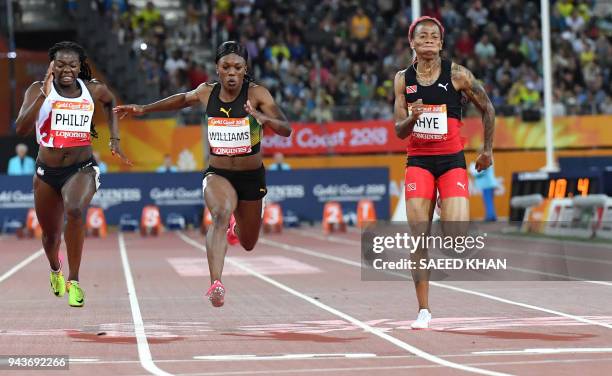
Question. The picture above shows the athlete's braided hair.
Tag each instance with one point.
(84, 74)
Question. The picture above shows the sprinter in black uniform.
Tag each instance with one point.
(236, 112)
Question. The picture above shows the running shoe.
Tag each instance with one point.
(58, 283)
(232, 238)
(76, 296)
(422, 321)
(216, 293)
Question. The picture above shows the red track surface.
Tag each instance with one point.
(320, 306)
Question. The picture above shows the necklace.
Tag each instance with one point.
(427, 78)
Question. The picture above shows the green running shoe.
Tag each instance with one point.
(58, 284)
(76, 296)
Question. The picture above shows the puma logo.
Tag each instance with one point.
(461, 184)
(443, 86)
(226, 112)
(262, 190)
(40, 171)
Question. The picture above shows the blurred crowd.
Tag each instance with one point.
(329, 60)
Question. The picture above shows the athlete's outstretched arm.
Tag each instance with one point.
(269, 115)
(106, 97)
(33, 99)
(465, 81)
(171, 103)
(404, 123)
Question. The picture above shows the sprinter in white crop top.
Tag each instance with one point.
(61, 110)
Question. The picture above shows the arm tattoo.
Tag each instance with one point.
(474, 90)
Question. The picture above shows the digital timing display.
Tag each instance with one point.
(555, 185)
(562, 187)
(552, 186)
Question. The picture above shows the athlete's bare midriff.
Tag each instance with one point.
(55, 157)
(251, 162)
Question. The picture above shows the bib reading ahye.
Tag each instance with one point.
(432, 124)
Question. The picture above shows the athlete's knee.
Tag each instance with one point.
(221, 215)
(74, 213)
(51, 241)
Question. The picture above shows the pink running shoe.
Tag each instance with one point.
(232, 238)
(216, 293)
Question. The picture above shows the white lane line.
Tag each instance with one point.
(373, 370)
(548, 255)
(555, 275)
(380, 357)
(437, 284)
(144, 353)
(524, 305)
(397, 342)
(283, 356)
(338, 240)
(23, 263)
(564, 277)
(540, 254)
(561, 350)
(560, 242)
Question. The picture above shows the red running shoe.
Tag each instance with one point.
(216, 293)
(232, 238)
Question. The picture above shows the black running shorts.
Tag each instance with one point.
(250, 185)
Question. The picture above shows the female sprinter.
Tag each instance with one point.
(236, 111)
(61, 109)
(428, 112)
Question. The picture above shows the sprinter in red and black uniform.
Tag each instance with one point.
(61, 110)
(237, 109)
(427, 110)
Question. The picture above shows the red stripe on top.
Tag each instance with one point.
(45, 129)
(70, 142)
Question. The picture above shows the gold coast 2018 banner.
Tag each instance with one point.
(378, 136)
(147, 141)
(568, 132)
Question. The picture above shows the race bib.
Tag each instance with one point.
(71, 119)
(229, 136)
(432, 123)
